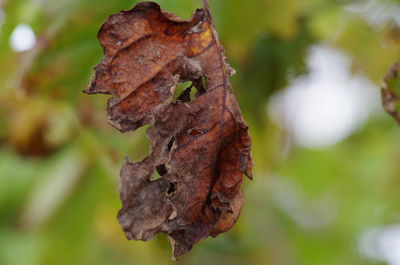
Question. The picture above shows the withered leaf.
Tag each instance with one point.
(390, 92)
(200, 148)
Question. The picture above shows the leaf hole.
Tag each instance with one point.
(203, 81)
(171, 189)
(193, 92)
(170, 144)
(161, 170)
(182, 92)
(155, 176)
(200, 85)
(190, 93)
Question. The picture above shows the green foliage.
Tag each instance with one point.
(59, 160)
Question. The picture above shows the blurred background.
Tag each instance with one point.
(327, 158)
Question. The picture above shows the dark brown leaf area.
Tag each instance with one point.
(200, 148)
(390, 92)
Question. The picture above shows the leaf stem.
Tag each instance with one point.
(205, 5)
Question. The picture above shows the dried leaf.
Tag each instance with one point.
(200, 148)
(390, 92)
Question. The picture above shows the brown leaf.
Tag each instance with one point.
(200, 148)
(390, 92)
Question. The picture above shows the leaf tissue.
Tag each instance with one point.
(200, 146)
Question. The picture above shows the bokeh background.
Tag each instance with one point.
(327, 158)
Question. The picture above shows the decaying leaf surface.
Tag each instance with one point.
(391, 92)
(199, 147)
